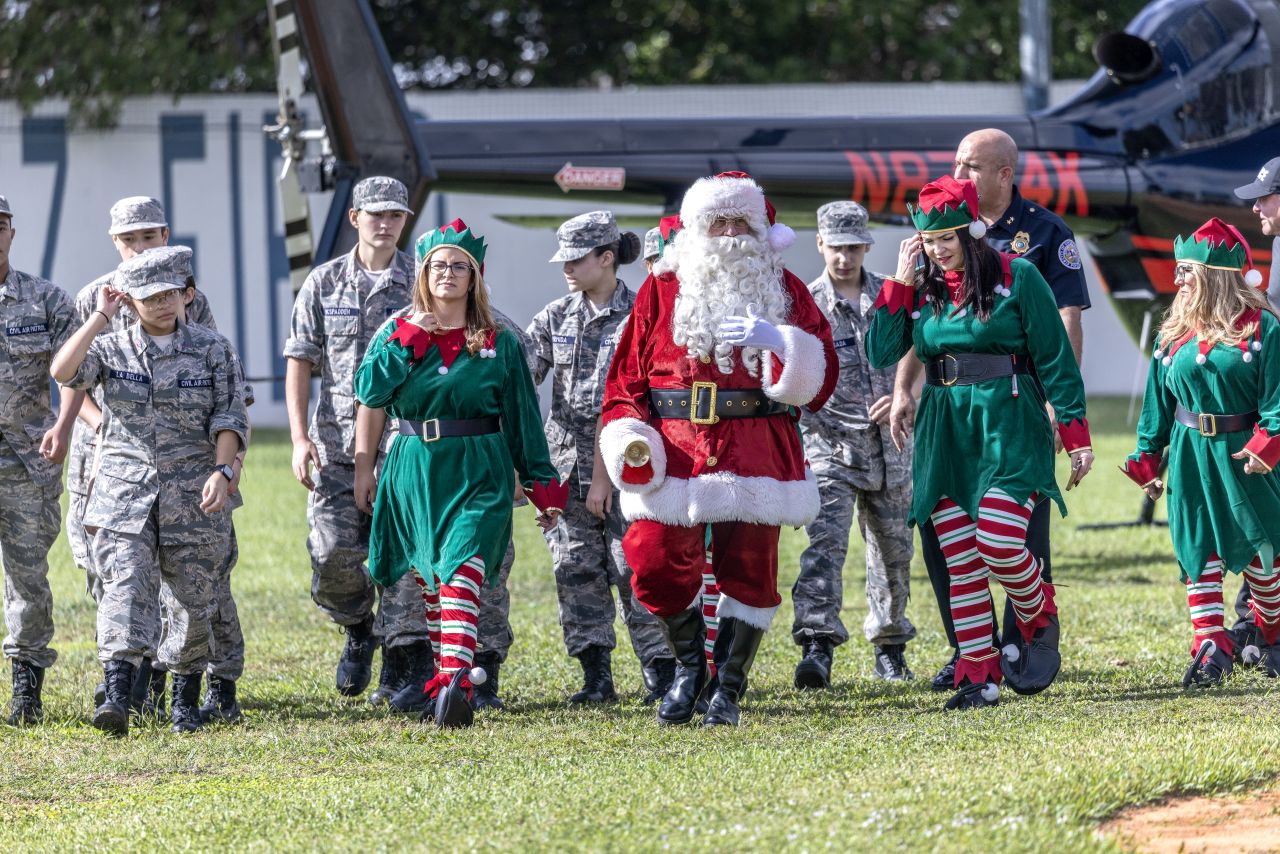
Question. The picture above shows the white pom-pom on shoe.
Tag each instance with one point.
(1011, 652)
(478, 676)
(991, 692)
(1251, 655)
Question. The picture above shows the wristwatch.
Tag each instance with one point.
(226, 471)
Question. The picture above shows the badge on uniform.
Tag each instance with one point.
(1021, 243)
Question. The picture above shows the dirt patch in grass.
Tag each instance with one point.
(1236, 823)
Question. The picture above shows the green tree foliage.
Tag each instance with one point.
(93, 52)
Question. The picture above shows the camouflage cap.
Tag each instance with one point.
(380, 193)
(154, 271)
(844, 224)
(136, 213)
(581, 234)
(5, 210)
(652, 243)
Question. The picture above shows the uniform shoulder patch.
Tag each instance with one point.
(1069, 255)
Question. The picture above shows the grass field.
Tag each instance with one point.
(864, 765)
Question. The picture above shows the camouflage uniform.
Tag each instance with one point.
(154, 549)
(856, 464)
(37, 322)
(575, 343)
(335, 316)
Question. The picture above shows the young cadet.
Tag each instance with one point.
(853, 456)
(37, 320)
(339, 308)
(573, 339)
(158, 508)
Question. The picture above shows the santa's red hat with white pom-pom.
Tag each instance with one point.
(734, 194)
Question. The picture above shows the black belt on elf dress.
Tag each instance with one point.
(970, 368)
(1212, 425)
(706, 403)
(443, 428)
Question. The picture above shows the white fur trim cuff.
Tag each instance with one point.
(761, 618)
(614, 439)
(724, 497)
(804, 367)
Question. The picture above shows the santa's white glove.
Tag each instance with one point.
(751, 331)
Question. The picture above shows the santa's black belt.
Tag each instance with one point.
(1212, 425)
(970, 368)
(443, 428)
(706, 403)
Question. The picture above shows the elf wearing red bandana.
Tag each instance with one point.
(1213, 399)
(468, 416)
(700, 414)
(987, 328)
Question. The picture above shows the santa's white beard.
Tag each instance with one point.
(719, 278)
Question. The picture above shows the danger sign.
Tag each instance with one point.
(572, 177)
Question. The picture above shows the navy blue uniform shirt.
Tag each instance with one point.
(1040, 236)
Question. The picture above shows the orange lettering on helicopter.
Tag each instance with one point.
(1033, 183)
(911, 172)
(871, 185)
(1066, 169)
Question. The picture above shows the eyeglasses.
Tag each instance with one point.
(460, 268)
(1183, 270)
(738, 222)
(157, 300)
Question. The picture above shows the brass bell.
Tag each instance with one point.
(637, 453)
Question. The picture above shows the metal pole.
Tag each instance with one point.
(1035, 51)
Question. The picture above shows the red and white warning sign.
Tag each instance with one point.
(572, 177)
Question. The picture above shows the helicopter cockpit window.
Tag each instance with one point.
(1218, 101)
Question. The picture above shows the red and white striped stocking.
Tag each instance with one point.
(1204, 598)
(970, 599)
(432, 603)
(1002, 546)
(459, 623)
(1264, 596)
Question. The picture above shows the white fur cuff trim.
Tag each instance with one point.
(804, 367)
(725, 497)
(614, 439)
(761, 618)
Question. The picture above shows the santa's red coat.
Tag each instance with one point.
(741, 469)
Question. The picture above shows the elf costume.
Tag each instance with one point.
(443, 506)
(1211, 404)
(983, 443)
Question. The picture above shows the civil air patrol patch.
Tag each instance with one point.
(199, 382)
(1069, 255)
(1021, 243)
(27, 329)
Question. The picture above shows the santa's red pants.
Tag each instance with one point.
(668, 561)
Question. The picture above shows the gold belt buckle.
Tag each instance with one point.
(1208, 424)
(955, 377)
(431, 430)
(711, 418)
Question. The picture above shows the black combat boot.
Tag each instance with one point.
(154, 691)
(392, 678)
(1029, 668)
(686, 635)
(658, 676)
(112, 715)
(27, 682)
(141, 685)
(735, 650)
(486, 694)
(891, 662)
(597, 677)
(220, 702)
(945, 679)
(814, 669)
(185, 708)
(421, 668)
(355, 668)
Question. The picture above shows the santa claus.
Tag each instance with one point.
(700, 431)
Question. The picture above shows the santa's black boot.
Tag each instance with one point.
(1029, 668)
(28, 680)
(686, 635)
(112, 714)
(412, 699)
(735, 650)
(184, 710)
(597, 677)
(355, 667)
(485, 695)
(658, 676)
(814, 669)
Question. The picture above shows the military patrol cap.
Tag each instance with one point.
(154, 271)
(5, 210)
(581, 234)
(844, 224)
(136, 213)
(1267, 182)
(380, 193)
(652, 244)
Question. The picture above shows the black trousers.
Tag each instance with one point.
(936, 564)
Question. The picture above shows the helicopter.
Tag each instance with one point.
(1184, 106)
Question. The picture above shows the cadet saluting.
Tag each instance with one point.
(159, 505)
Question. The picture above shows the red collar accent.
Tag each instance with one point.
(1177, 345)
(954, 280)
(450, 344)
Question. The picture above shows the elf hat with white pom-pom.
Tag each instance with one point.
(1220, 246)
(946, 205)
(734, 194)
